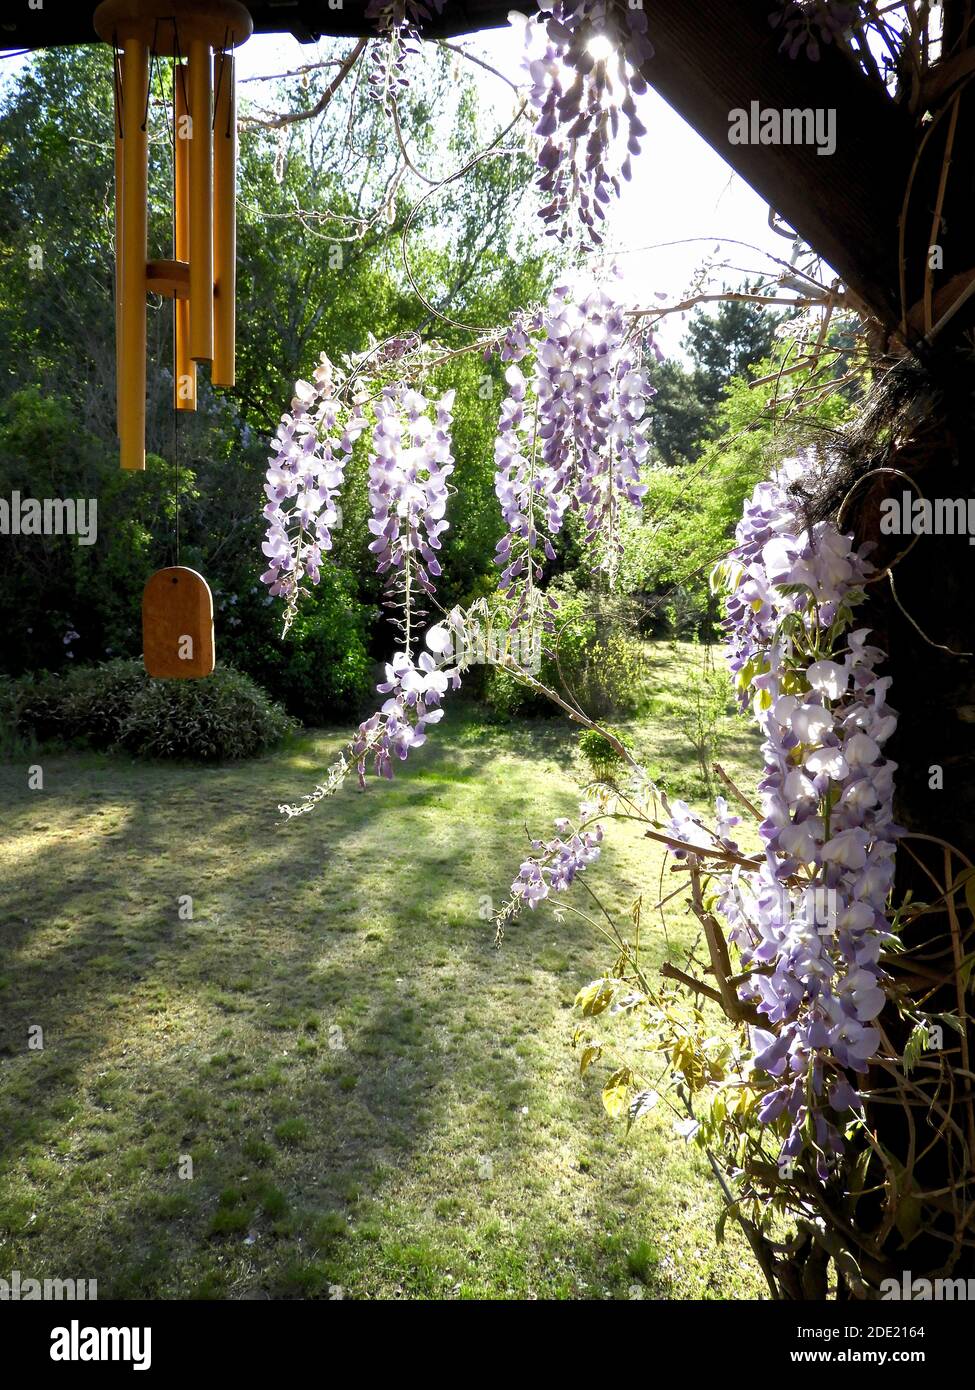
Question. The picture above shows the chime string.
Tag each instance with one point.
(176, 456)
(177, 75)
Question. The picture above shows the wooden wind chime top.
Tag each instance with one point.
(168, 27)
(69, 22)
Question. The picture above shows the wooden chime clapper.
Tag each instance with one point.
(177, 606)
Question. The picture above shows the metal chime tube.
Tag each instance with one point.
(132, 338)
(224, 222)
(119, 149)
(184, 368)
(201, 204)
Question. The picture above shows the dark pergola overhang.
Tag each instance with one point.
(712, 56)
(69, 21)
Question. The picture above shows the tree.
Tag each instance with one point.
(320, 236)
(721, 346)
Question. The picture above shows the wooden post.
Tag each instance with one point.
(224, 221)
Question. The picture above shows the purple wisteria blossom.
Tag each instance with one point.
(583, 60)
(581, 443)
(555, 863)
(808, 23)
(414, 690)
(811, 922)
(408, 471)
(397, 24)
(311, 451)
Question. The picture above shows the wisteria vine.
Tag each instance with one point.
(809, 915)
(396, 23)
(310, 453)
(811, 923)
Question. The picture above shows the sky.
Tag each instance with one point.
(682, 205)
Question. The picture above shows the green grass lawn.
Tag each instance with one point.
(372, 1097)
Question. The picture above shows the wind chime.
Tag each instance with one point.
(177, 606)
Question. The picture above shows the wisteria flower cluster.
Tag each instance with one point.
(810, 923)
(409, 466)
(808, 23)
(396, 22)
(583, 60)
(414, 690)
(582, 444)
(306, 469)
(554, 864)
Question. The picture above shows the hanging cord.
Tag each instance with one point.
(178, 75)
(117, 79)
(176, 457)
(179, 66)
(228, 35)
(153, 63)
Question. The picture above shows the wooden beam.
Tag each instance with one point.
(68, 22)
(713, 56)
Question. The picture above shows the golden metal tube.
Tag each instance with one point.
(118, 253)
(224, 222)
(132, 351)
(201, 204)
(184, 368)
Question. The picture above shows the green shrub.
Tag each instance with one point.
(224, 716)
(704, 698)
(11, 741)
(117, 705)
(322, 668)
(599, 664)
(604, 760)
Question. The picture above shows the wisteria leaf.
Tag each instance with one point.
(615, 1092)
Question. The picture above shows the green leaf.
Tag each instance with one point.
(914, 1047)
(596, 997)
(907, 1217)
(615, 1092)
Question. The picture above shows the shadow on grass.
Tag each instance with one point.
(367, 1094)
